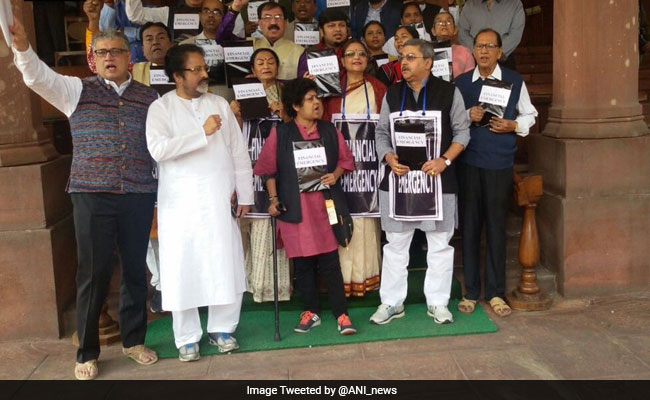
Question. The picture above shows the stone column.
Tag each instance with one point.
(594, 217)
(37, 244)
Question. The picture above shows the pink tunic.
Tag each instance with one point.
(462, 60)
(313, 235)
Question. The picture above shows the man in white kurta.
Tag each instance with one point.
(202, 160)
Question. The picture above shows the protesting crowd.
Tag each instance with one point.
(334, 136)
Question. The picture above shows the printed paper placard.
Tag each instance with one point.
(186, 21)
(407, 139)
(158, 77)
(306, 38)
(446, 50)
(307, 158)
(494, 95)
(249, 91)
(252, 10)
(337, 3)
(440, 68)
(381, 61)
(323, 65)
(213, 51)
(238, 54)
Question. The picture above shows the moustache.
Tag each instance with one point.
(274, 27)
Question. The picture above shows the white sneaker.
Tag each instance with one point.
(440, 314)
(386, 313)
(189, 352)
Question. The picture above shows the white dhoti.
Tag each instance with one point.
(440, 268)
(187, 323)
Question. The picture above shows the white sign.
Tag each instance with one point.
(323, 65)
(447, 51)
(440, 68)
(314, 157)
(186, 21)
(382, 61)
(406, 139)
(494, 95)
(238, 54)
(252, 10)
(248, 91)
(158, 77)
(337, 3)
(213, 51)
(306, 38)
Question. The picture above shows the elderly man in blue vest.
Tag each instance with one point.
(111, 186)
(437, 108)
(485, 172)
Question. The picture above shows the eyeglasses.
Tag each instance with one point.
(101, 53)
(269, 17)
(198, 69)
(207, 11)
(444, 23)
(488, 46)
(352, 53)
(409, 57)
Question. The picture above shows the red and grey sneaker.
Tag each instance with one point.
(345, 326)
(308, 320)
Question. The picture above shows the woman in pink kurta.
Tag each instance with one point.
(304, 228)
(444, 28)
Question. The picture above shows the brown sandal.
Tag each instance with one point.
(467, 306)
(500, 307)
(141, 354)
(86, 371)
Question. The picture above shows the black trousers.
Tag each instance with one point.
(101, 220)
(329, 268)
(484, 199)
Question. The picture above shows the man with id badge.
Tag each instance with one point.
(499, 106)
(302, 161)
(423, 127)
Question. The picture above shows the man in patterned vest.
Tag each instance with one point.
(111, 186)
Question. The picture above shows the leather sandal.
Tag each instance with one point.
(500, 307)
(86, 371)
(141, 354)
(466, 306)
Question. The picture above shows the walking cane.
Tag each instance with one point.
(276, 303)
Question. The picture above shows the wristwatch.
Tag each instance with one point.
(447, 161)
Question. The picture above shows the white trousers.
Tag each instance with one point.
(153, 262)
(440, 268)
(222, 318)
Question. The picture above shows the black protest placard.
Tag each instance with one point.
(411, 143)
(237, 55)
(324, 65)
(256, 131)
(184, 23)
(214, 58)
(360, 186)
(494, 98)
(251, 96)
(417, 196)
(340, 5)
(442, 61)
(311, 164)
(306, 34)
(159, 80)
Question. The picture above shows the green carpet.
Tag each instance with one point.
(255, 331)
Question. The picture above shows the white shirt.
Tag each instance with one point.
(62, 91)
(389, 46)
(138, 14)
(527, 112)
(374, 14)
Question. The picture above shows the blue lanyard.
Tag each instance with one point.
(424, 100)
(345, 87)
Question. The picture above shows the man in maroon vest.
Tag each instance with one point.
(111, 186)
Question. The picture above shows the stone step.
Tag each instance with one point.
(533, 59)
(539, 77)
(534, 68)
(534, 50)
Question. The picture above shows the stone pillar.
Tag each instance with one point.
(37, 244)
(594, 217)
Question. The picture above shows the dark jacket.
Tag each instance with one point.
(390, 17)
